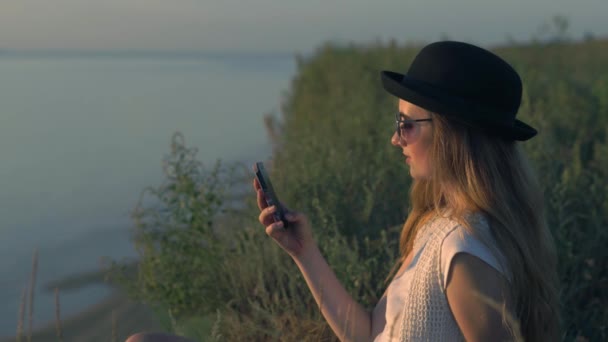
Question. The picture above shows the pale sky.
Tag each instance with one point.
(278, 25)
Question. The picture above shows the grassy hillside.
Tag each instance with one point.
(332, 160)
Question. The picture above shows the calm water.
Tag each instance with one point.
(81, 137)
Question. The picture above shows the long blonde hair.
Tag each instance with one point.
(472, 171)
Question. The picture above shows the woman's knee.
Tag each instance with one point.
(156, 337)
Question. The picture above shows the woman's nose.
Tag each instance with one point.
(395, 139)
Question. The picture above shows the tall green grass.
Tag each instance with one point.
(206, 263)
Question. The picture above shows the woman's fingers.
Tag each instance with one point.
(277, 232)
(256, 184)
(274, 227)
(261, 200)
(266, 217)
(260, 194)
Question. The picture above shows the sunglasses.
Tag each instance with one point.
(408, 129)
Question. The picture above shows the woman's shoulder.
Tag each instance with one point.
(476, 241)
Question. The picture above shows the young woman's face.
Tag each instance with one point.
(415, 139)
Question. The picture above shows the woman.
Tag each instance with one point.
(477, 260)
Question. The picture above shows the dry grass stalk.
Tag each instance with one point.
(21, 317)
(215, 330)
(513, 323)
(32, 288)
(346, 322)
(58, 316)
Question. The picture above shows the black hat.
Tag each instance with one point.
(466, 83)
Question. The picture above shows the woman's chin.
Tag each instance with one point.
(412, 173)
(417, 176)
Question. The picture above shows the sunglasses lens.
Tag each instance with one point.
(408, 131)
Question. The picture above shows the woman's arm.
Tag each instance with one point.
(469, 276)
(349, 320)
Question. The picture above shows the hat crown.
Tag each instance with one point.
(470, 73)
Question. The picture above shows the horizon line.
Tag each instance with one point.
(199, 54)
(142, 53)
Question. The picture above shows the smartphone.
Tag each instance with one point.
(269, 194)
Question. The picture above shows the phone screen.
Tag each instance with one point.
(269, 194)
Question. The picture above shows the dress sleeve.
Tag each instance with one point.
(457, 241)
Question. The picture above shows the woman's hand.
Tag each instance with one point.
(297, 239)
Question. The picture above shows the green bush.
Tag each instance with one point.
(333, 160)
(181, 251)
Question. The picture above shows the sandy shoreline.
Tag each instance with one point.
(95, 323)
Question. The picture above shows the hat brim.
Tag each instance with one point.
(438, 101)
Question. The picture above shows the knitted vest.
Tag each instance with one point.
(426, 315)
